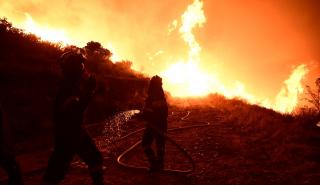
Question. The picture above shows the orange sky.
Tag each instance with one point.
(255, 42)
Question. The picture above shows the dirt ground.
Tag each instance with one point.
(224, 153)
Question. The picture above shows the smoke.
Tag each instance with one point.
(306, 16)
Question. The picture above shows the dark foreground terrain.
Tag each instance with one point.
(244, 144)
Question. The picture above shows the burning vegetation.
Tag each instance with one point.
(187, 77)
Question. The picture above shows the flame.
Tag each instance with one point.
(45, 32)
(58, 35)
(194, 16)
(185, 78)
(115, 57)
(288, 97)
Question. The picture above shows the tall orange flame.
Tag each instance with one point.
(185, 78)
(194, 16)
(288, 97)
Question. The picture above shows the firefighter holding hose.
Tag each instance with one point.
(155, 114)
(70, 138)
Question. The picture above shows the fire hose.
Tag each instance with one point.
(179, 147)
(131, 148)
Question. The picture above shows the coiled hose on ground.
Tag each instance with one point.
(180, 148)
(131, 148)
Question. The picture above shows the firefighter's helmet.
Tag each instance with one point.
(156, 80)
(72, 62)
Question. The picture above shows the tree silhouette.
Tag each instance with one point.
(314, 95)
(98, 58)
(96, 51)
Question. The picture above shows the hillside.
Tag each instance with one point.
(30, 75)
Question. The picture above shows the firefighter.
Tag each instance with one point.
(70, 138)
(7, 159)
(155, 113)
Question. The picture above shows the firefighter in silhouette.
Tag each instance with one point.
(155, 114)
(7, 160)
(70, 138)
